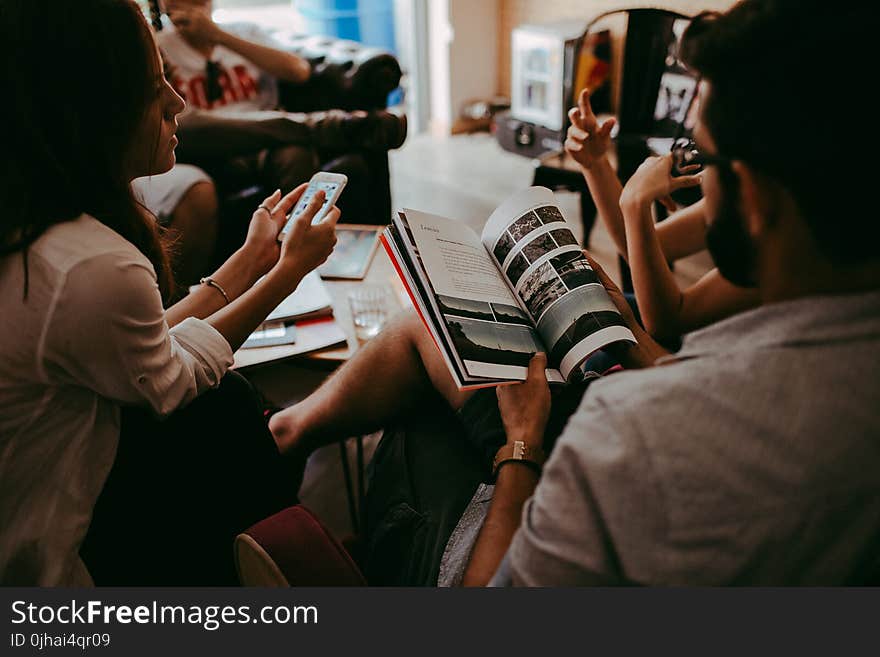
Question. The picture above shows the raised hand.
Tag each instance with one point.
(653, 181)
(587, 141)
(194, 23)
(261, 244)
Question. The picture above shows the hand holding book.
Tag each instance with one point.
(492, 301)
(646, 350)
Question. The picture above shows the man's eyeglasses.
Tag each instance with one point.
(686, 154)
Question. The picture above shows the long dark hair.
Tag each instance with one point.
(79, 78)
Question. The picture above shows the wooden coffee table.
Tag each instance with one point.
(381, 272)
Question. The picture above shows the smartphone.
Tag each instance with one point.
(331, 184)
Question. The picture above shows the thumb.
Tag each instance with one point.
(537, 365)
(686, 181)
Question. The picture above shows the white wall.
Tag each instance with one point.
(463, 47)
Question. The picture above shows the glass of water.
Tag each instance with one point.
(369, 309)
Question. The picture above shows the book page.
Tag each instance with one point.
(535, 249)
(490, 332)
(455, 260)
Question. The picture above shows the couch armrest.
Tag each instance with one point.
(345, 75)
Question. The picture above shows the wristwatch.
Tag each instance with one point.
(519, 451)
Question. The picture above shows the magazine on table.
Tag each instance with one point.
(491, 301)
(309, 301)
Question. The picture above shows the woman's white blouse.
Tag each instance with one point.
(90, 336)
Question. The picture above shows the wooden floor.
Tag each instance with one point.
(463, 177)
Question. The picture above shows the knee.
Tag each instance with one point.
(352, 165)
(410, 330)
(197, 208)
(294, 164)
(234, 393)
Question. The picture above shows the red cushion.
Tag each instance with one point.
(302, 550)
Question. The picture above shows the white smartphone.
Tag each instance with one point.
(331, 184)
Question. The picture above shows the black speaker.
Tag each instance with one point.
(524, 138)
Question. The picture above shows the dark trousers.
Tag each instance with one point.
(182, 488)
(424, 474)
(281, 152)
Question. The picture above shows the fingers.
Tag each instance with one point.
(331, 218)
(588, 119)
(607, 127)
(286, 204)
(305, 219)
(578, 134)
(685, 181)
(574, 115)
(573, 146)
(575, 140)
(271, 201)
(601, 274)
(180, 16)
(536, 368)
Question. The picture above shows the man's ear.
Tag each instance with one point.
(759, 198)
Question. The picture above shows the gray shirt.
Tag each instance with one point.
(753, 458)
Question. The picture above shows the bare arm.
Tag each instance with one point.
(658, 294)
(524, 408)
(283, 65)
(238, 274)
(587, 142)
(605, 188)
(196, 26)
(514, 486)
(646, 351)
(684, 232)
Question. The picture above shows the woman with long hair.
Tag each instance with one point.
(89, 358)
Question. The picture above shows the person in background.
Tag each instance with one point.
(236, 67)
(184, 201)
(94, 373)
(226, 74)
(666, 311)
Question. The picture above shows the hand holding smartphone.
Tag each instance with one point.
(331, 184)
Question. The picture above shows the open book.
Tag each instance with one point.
(490, 301)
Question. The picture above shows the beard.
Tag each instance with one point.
(727, 239)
